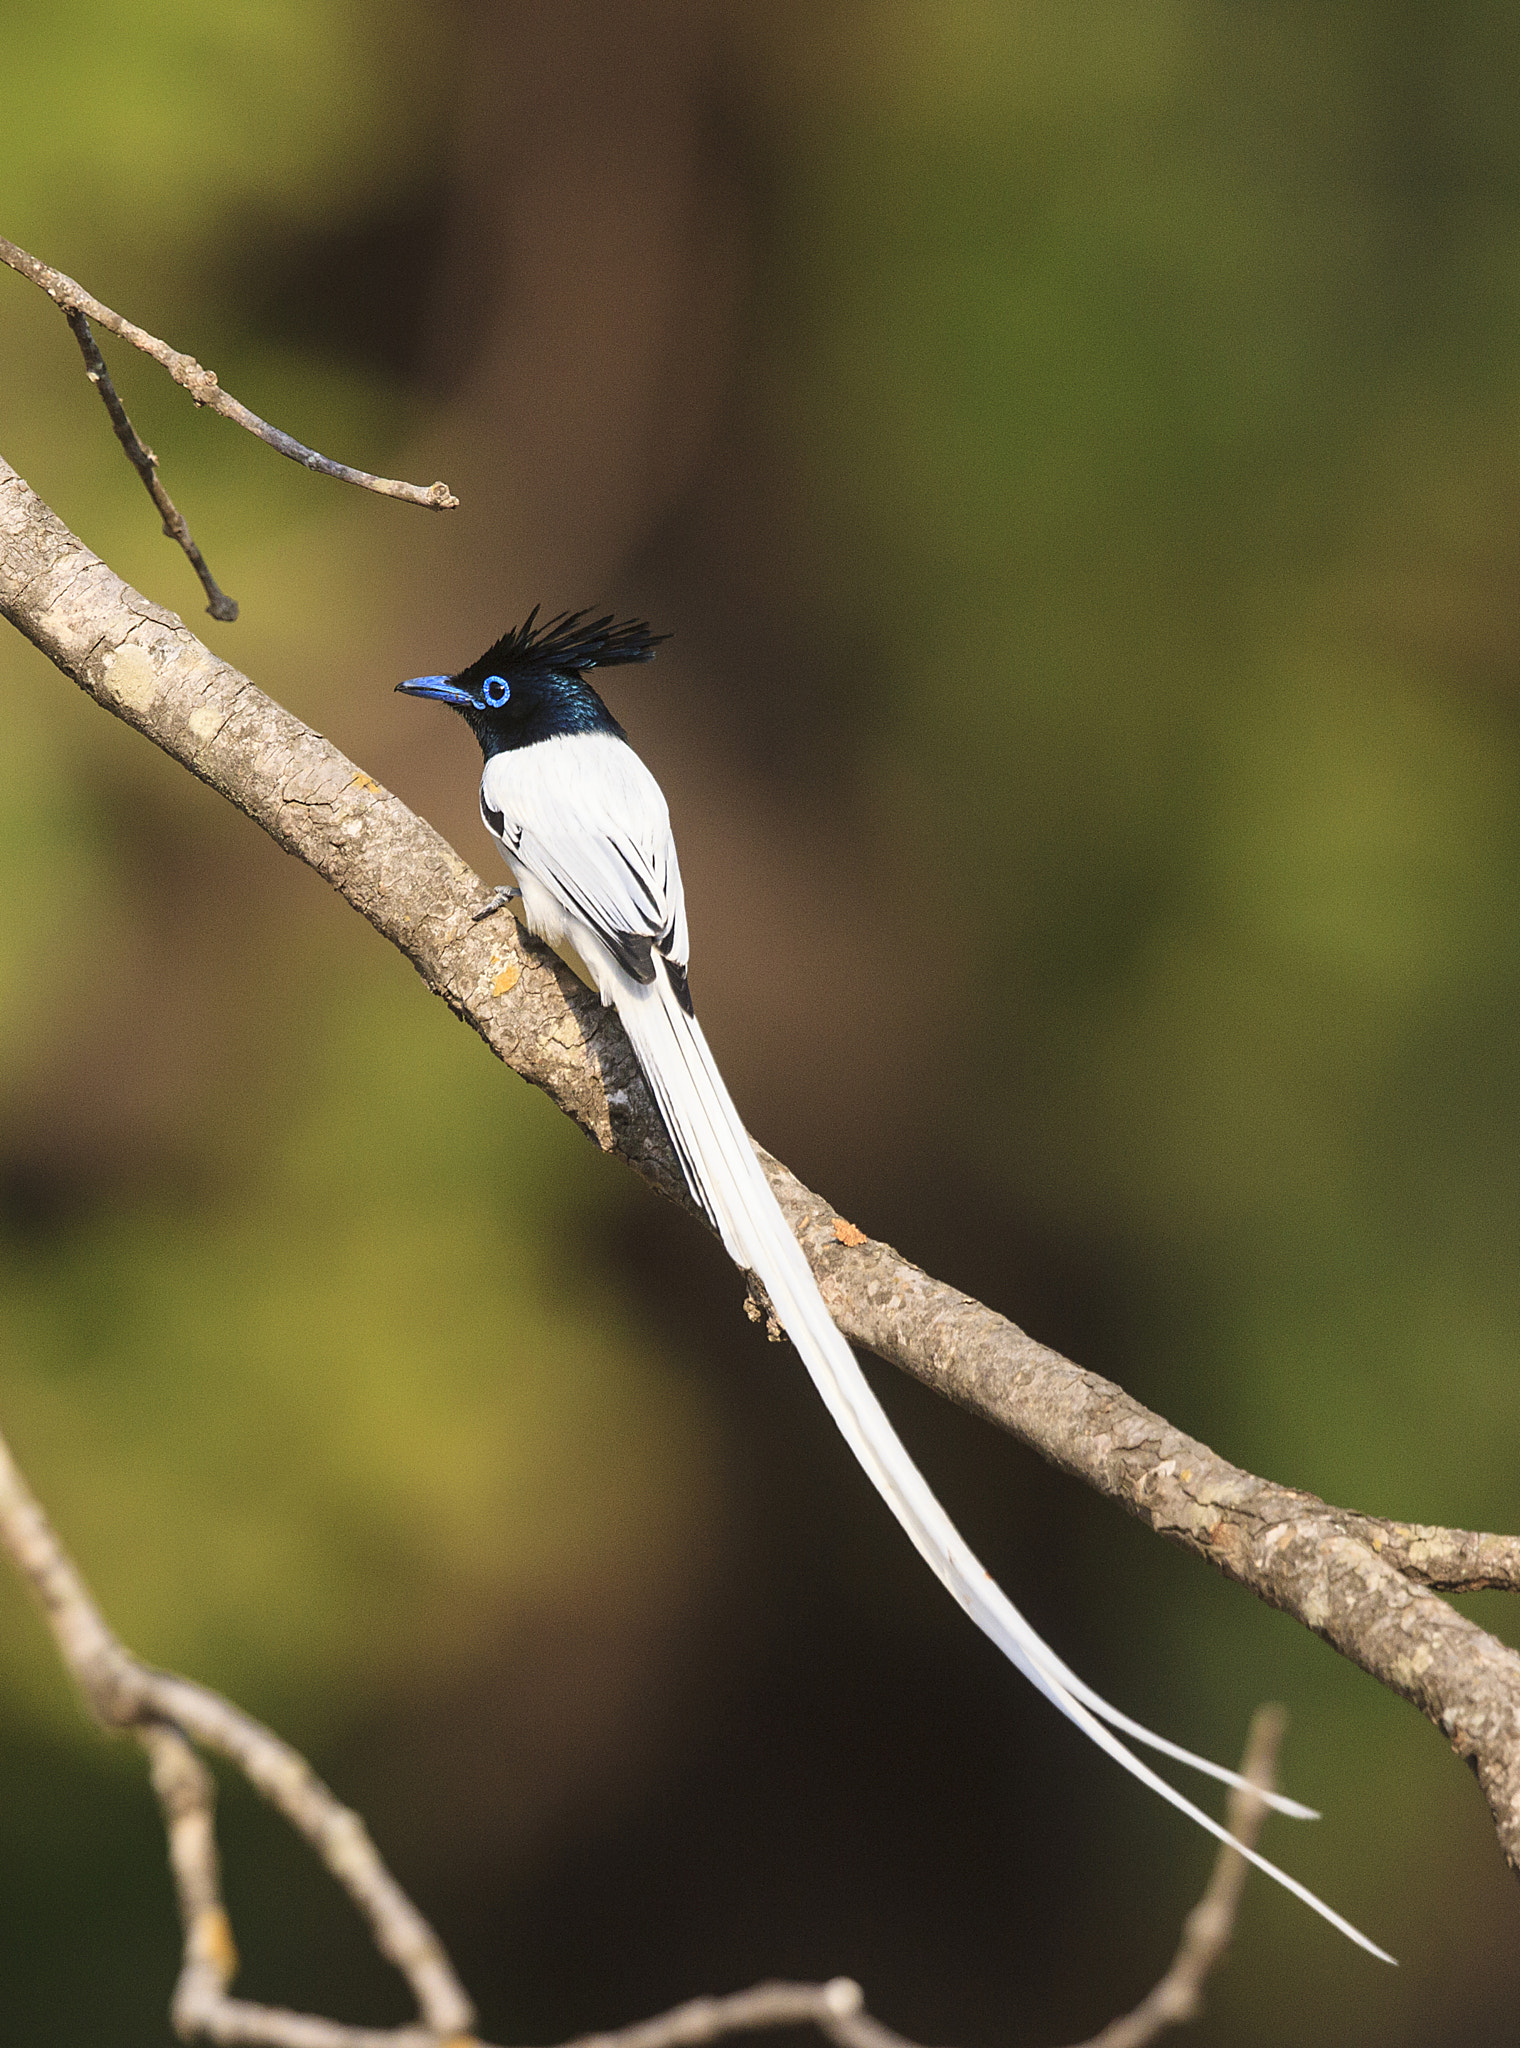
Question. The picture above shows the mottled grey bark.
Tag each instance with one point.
(1371, 1588)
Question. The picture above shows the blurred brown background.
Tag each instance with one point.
(1078, 454)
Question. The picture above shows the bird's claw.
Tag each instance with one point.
(500, 898)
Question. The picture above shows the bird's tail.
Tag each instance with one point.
(726, 1178)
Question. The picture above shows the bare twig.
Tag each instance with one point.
(1207, 1930)
(163, 1711)
(145, 462)
(168, 1714)
(837, 2009)
(203, 387)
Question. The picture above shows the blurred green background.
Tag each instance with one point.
(1078, 453)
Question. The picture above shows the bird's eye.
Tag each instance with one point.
(496, 690)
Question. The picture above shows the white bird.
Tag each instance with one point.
(586, 835)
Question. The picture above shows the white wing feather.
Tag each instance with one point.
(584, 827)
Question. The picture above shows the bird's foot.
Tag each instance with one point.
(500, 898)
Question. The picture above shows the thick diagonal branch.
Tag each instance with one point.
(1369, 1587)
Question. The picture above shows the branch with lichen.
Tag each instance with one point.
(1369, 1587)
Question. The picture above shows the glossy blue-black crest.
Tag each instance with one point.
(570, 643)
(530, 685)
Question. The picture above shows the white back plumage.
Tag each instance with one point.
(587, 835)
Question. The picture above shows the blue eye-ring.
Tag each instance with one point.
(496, 690)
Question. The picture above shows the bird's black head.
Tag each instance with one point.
(531, 685)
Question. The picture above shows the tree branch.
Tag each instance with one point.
(1368, 1587)
(203, 387)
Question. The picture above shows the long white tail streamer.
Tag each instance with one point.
(726, 1178)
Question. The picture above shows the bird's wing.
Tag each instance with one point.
(584, 817)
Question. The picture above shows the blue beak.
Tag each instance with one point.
(441, 687)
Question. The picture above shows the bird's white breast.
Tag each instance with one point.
(575, 782)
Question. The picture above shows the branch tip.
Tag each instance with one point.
(79, 308)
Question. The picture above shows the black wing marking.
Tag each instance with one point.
(496, 824)
(678, 981)
(631, 950)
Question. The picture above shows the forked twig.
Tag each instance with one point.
(80, 308)
(203, 387)
(169, 1714)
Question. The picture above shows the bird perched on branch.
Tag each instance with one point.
(586, 835)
